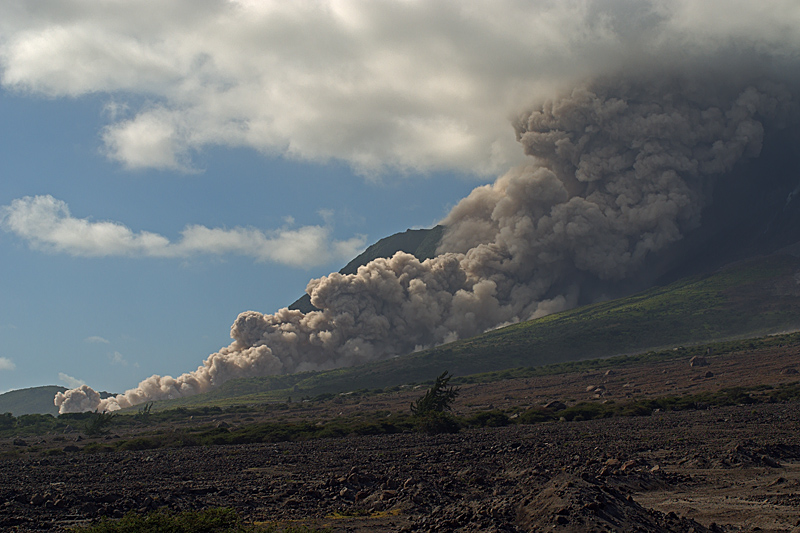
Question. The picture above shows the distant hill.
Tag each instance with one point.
(35, 400)
(421, 243)
(747, 299)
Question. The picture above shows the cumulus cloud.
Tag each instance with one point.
(69, 381)
(152, 139)
(7, 364)
(117, 358)
(46, 223)
(96, 340)
(387, 85)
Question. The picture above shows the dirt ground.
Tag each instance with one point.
(723, 469)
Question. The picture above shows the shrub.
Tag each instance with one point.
(96, 447)
(140, 443)
(219, 520)
(144, 413)
(7, 421)
(490, 419)
(98, 424)
(438, 399)
(535, 415)
(435, 422)
(738, 396)
(216, 520)
(428, 412)
(586, 411)
(635, 409)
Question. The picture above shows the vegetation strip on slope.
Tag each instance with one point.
(382, 422)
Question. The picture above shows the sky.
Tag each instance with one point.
(167, 165)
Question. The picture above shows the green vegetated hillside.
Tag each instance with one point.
(748, 299)
(34, 400)
(421, 243)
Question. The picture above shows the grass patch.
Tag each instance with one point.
(490, 419)
(270, 432)
(216, 520)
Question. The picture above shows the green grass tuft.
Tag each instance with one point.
(215, 520)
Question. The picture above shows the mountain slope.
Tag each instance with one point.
(34, 400)
(30, 401)
(747, 299)
(421, 243)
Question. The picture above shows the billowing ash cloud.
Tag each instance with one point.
(621, 169)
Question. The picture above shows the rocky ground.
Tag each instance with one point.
(724, 469)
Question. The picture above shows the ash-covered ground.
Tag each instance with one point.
(734, 468)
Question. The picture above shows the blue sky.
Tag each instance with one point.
(114, 320)
(166, 165)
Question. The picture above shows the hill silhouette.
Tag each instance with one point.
(33, 400)
(421, 243)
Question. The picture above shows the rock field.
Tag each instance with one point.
(731, 468)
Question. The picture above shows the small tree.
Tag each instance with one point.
(98, 424)
(144, 413)
(438, 399)
(430, 411)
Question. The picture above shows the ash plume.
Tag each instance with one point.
(621, 169)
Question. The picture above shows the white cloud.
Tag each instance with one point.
(117, 358)
(7, 364)
(69, 381)
(46, 223)
(420, 85)
(327, 215)
(96, 340)
(149, 140)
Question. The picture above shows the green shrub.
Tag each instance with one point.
(536, 415)
(635, 409)
(143, 415)
(429, 412)
(585, 411)
(219, 520)
(376, 428)
(7, 421)
(437, 399)
(98, 424)
(35, 420)
(738, 396)
(435, 422)
(96, 447)
(141, 443)
(490, 419)
(216, 520)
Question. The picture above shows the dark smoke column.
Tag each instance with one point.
(621, 169)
